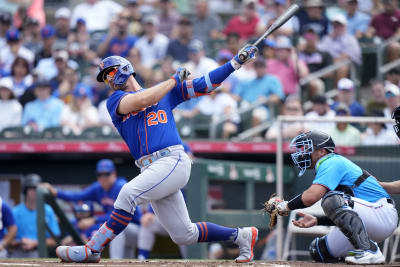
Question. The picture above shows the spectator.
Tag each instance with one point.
(233, 43)
(377, 101)
(387, 25)
(5, 24)
(8, 228)
(378, 134)
(32, 37)
(178, 48)
(82, 211)
(10, 108)
(20, 76)
(320, 110)
(29, 9)
(199, 64)
(118, 41)
(80, 113)
(346, 89)
(62, 26)
(345, 134)
(246, 23)
(104, 116)
(43, 112)
(152, 44)
(104, 192)
(61, 63)
(357, 21)
(392, 96)
(143, 73)
(291, 107)
(291, 26)
(286, 66)
(48, 38)
(341, 46)
(315, 60)
(337, 8)
(13, 49)
(66, 85)
(135, 17)
(97, 14)
(168, 17)
(264, 87)
(313, 17)
(26, 242)
(393, 76)
(206, 25)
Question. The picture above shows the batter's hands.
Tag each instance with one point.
(180, 75)
(86, 223)
(245, 54)
(306, 220)
(49, 187)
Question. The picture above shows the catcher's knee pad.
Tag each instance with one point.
(319, 251)
(187, 235)
(336, 206)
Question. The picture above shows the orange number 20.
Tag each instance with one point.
(155, 118)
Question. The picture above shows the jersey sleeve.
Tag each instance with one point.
(113, 103)
(329, 174)
(88, 193)
(7, 215)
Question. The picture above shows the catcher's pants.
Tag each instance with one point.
(124, 245)
(147, 234)
(379, 218)
(159, 183)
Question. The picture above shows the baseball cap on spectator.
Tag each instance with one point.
(224, 55)
(342, 109)
(314, 3)
(81, 90)
(270, 42)
(43, 83)
(345, 84)
(280, 2)
(283, 42)
(5, 18)
(7, 84)
(151, 19)
(391, 90)
(13, 35)
(61, 54)
(319, 99)
(196, 46)
(81, 21)
(105, 165)
(132, 2)
(185, 21)
(47, 31)
(340, 18)
(63, 13)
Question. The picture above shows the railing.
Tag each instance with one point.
(279, 156)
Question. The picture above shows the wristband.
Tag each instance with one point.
(296, 203)
(323, 220)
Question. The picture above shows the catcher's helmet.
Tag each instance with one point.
(31, 180)
(304, 144)
(123, 66)
(396, 117)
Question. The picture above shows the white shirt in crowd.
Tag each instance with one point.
(154, 50)
(11, 113)
(104, 116)
(321, 126)
(384, 137)
(217, 106)
(80, 119)
(97, 16)
(7, 57)
(205, 66)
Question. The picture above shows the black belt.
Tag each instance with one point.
(390, 201)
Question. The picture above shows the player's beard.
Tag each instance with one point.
(122, 87)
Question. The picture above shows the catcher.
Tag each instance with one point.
(352, 200)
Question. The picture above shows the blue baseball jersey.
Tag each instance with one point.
(333, 170)
(7, 219)
(153, 128)
(106, 199)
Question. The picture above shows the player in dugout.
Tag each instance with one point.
(352, 200)
(144, 119)
(104, 192)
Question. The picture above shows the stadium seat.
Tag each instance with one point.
(289, 248)
(18, 133)
(57, 133)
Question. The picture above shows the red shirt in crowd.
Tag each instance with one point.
(386, 24)
(245, 29)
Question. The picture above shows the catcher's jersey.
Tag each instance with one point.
(333, 170)
(150, 129)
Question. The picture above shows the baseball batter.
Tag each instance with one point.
(145, 121)
(352, 200)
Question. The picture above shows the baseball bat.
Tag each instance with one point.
(277, 23)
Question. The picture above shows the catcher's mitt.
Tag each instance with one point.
(270, 207)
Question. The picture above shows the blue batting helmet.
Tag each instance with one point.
(123, 66)
(83, 209)
(304, 144)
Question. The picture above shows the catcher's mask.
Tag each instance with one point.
(396, 117)
(305, 143)
(115, 70)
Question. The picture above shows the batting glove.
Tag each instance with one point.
(245, 54)
(180, 75)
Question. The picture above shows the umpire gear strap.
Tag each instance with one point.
(337, 208)
(349, 189)
(319, 251)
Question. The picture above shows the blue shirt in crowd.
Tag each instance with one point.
(45, 113)
(7, 219)
(121, 47)
(359, 22)
(26, 222)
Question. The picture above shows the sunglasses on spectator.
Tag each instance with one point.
(110, 76)
(101, 174)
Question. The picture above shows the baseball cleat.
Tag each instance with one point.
(246, 240)
(365, 257)
(77, 254)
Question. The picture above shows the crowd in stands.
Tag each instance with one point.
(49, 60)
